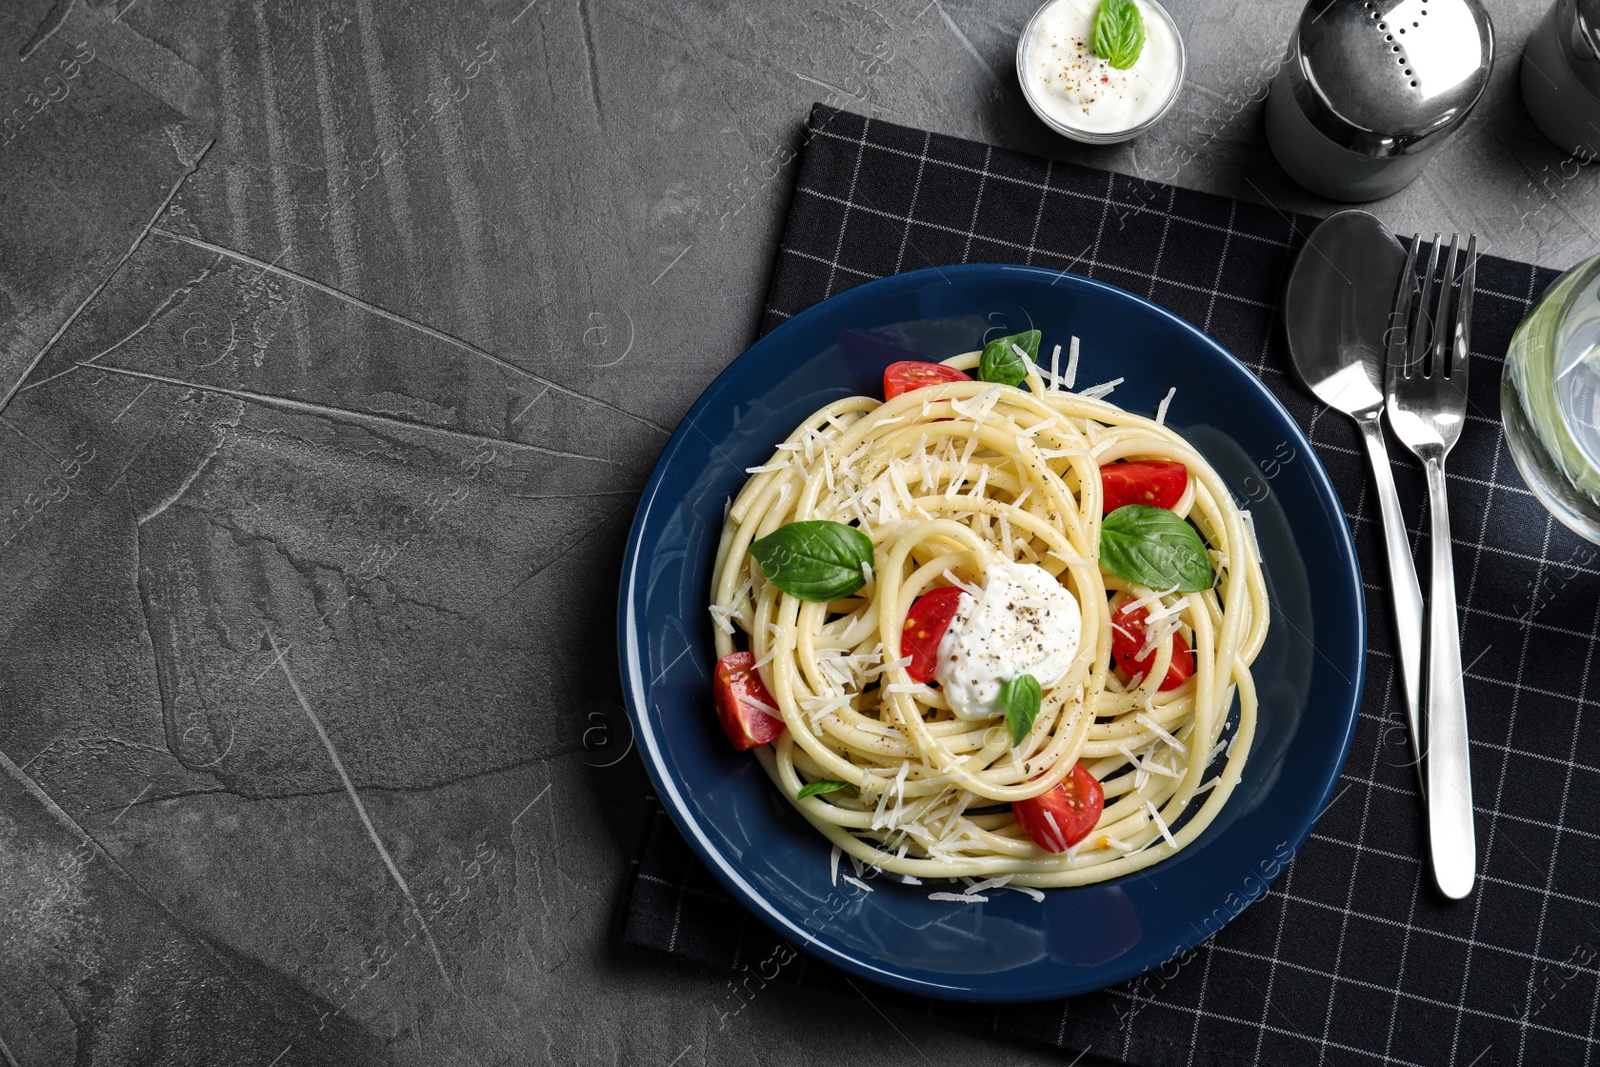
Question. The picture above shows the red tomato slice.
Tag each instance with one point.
(926, 623)
(1159, 483)
(734, 684)
(912, 374)
(1127, 638)
(1060, 818)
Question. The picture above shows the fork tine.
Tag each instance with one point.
(1425, 326)
(1443, 335)
(1461, 356)
(1400, 315)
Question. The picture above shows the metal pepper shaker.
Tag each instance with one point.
(1371, 89)
(1561, 76)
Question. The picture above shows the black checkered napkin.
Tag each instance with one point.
(1350, 957)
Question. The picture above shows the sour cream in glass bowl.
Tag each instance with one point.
(1082, 96)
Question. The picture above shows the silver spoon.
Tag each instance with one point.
(1336, 313)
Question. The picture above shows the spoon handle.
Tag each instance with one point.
(1403, 586)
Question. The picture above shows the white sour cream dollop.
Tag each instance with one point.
(1079, 89)
(1023, 622)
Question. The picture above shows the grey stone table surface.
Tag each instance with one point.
(336, 343)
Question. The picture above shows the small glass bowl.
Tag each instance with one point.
(1090, 136)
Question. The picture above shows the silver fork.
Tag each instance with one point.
(1427, 403)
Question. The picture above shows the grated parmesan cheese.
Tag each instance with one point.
(1250, 528)
(1057, 837)
(1162, 823)
(873, 672)
(750, 701)
(1147, 600)
(1161, 410)
(965, 587)
(721, 616)
(1039, 427)
(990, 883)
(1161, 731)
(980, 484)
(898, 479)
(1103, 390)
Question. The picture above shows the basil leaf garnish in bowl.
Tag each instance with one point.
(815, 559)
(820, 786)
(1000, 362)
(1019, 699)
(1154, 548)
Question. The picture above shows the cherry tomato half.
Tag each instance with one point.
(734, 684)
(1127, 638)
(912, 374)
(926, 623)
(1158, 483)
(1060, 818)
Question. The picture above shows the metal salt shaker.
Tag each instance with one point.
(1561, 76)
(1371, 89)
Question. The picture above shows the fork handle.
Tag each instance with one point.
(1404, 588)
(1449, 771)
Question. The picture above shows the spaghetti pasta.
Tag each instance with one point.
(949, 482)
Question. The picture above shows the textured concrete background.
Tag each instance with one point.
(338, 341)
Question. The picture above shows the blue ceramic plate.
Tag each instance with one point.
(1011, 948)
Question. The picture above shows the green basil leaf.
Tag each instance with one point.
(1000, 362)
(1020, 698)
(1119, 33)
(821, 785)
(1155, 548)
(815, 560)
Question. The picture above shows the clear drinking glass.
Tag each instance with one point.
(1550, 398)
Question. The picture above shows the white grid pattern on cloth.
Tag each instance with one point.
(1482, 551)
(1222, 263)
(977, 203)
(1516, 954)
(721, 898)
(1205, 980)
(1161, 249)
(1029, 249)
(1488, 845)
(916, 191)
(844, 224)
(1366, 810)
(1483, 876)
(1335, 978)
(1561, 815)
(1277, 946)
(677, 911)
(1038, 216)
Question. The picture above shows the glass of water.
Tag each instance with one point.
(1550, 398)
